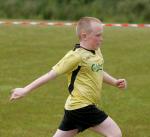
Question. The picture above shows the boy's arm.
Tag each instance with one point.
(120, 83)
(20, 92)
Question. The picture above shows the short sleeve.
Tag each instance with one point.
(68, 63)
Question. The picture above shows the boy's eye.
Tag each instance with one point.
(98, 35)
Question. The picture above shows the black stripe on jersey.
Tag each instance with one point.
(73, 78)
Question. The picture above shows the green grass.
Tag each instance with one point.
(28, 52)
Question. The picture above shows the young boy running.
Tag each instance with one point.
(84, 68)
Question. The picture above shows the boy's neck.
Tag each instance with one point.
(85, 45)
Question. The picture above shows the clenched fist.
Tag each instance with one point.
(121, 83)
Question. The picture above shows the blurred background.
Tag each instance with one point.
(132, 11)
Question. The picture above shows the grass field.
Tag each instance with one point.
(28, 52)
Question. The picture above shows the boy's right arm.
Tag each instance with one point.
(20, 92)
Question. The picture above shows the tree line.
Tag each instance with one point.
(132, 11)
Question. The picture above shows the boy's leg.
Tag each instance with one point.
(108, 128)
(61, 133)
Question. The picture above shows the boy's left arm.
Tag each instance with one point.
(120, 83)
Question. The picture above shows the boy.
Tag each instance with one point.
(84, 68)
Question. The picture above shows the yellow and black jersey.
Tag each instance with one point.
(84, 69)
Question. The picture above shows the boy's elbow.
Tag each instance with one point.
(52, 74)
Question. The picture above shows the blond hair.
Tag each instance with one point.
(84, 24)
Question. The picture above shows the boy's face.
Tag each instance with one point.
(94, 38)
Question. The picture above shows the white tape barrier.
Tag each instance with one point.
(67, 24)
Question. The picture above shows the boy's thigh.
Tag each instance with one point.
(108, 128)
(61, 133)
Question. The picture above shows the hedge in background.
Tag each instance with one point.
(108, 11)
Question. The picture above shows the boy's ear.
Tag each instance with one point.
(83, 36)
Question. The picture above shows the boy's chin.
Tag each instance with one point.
(98, 46)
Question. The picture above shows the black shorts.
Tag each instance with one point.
(82, 118)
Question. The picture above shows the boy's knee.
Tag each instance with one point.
(116, 134)
(119, 134)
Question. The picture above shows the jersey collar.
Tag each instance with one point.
(78, 46)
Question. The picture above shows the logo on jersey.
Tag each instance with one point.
(96, 67)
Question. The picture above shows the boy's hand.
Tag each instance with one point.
(121, 83)
(17, 93)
